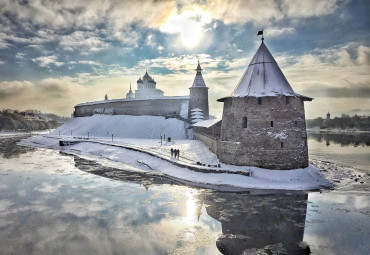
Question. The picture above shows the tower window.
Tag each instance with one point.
(244, 122)
(272, 124)
(259, 100)
(282, 145)
(305, 143)
(287, 100)
(296, 123)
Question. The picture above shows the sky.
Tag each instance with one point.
(56, 54)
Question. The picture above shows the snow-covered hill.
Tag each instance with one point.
(125, 126)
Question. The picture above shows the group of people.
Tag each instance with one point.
(175, 153)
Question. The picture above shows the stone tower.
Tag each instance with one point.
(263, 122)
(198, 104)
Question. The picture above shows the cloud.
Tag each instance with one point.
(312, 8)
(4, 44)
(89, 62)
(83, 40)
(10, 89)
(263, 11)
(275, 31)
(46, 61)
(189, 24)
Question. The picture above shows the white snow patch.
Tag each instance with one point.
(197, 116)
(207, 123)
(184, 110)
(128, 126)
(196, 120)
(281, 135)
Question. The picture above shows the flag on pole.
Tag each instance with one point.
(260, 32)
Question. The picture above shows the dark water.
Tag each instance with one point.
(52, 203)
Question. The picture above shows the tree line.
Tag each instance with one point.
(29, 120)
(344, 122)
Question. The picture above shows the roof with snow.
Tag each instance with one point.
(206, 123)
(198, 81)
(263, 77)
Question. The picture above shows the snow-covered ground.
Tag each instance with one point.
(142, 127)
(137, 146)
(18, 133)
(191, 152)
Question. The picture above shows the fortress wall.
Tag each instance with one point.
(210, 142)
(167, 107)
(256, 142)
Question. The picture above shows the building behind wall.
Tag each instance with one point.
(263, 121)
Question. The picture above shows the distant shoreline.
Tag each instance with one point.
(337, 131)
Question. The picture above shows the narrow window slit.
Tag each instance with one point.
(244, 122)
(272, 123)
(259, 100)
(282, 145)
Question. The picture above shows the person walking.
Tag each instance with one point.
(178, 154)
(171, 152)
(175, 153)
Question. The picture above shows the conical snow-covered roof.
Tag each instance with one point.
(263, 77)
(198, 81)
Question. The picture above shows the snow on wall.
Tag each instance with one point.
(125, 126)
(184, 110)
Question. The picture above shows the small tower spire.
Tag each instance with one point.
(199, 69)
(130, 87)
(106, 97)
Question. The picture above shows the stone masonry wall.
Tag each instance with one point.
(154, 107)
(271, 134)
(210, 142)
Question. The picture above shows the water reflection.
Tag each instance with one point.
(360, 139)
(144, 179)
(9, 147)
(263, 223)
(271, 223)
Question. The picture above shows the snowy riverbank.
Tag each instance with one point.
(159, 161)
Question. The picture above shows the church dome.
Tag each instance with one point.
(147, 77)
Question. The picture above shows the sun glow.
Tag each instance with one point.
(192, 208)
(189, 25)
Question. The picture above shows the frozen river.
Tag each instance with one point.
(52, 203)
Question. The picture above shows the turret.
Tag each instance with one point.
(130, 94)
(263, 121)
(198, 104)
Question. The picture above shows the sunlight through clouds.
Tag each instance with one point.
(189, 25)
